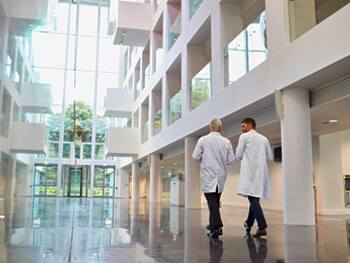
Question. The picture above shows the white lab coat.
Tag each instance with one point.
(213, 153)
(254, 150)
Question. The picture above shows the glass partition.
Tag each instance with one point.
(147, 76)
(174, 30)
(157, 122)
(145, 132)
(174, 109)
(194, 5)
(201, 87)
(247, 50)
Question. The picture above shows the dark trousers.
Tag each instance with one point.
(255, 212)
(213, 200)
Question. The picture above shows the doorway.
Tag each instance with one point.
(76, 181)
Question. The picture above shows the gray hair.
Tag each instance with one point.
(215, 124)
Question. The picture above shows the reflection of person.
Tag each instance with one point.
(254, 254)
(213, 152)
(216, 249)
(254, 150)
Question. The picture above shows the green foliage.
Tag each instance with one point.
(83, 130)
(200, 92)
(175, 107)
(83, 122)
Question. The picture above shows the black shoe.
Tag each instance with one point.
(247, 228)
(216, 232)
(208, 227)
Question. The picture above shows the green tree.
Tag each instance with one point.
(83, 128)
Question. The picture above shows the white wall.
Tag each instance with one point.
(334, 163)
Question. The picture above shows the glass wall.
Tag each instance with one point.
(247, 50)
(54, 53)
(45, 179)
(201, 87)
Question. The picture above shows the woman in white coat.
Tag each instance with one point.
(254, 151)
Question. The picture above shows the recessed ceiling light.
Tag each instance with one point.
(174, 163)
(333, 121)
(162, 167)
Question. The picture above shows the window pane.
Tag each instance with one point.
(78, 150)
(51, 176)
(98, 191)
(109, 192)
(99, 152)
(86, 59)
(49, 49)
(87, 151)
(51, 190)
(105, 81)
(67, 150)
(53, 150)
(98, 177)
(88, 19)
(109, 55)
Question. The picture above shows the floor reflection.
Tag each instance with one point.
(121, 230)
(256, 254)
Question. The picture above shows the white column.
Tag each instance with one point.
(135, 181)
(192, 178)
(297, 169)
(123, 183)
(155, 178)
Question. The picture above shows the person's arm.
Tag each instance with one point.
(197, 153)
(240, 148)
(230, 155)
(269, 156)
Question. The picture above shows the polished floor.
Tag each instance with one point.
(120, 230)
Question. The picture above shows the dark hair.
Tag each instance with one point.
(249, 121)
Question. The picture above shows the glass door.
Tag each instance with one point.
(104, 181)
(75, 182)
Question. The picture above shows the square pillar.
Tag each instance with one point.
(192, 176)
(155, 178)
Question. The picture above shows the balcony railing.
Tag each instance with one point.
(194, 5)
(247, 50)
(174, 109)
(201, 87)
(157, 122)
(145, 132)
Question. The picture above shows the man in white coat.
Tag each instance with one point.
(255, 152)
(213, 153)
